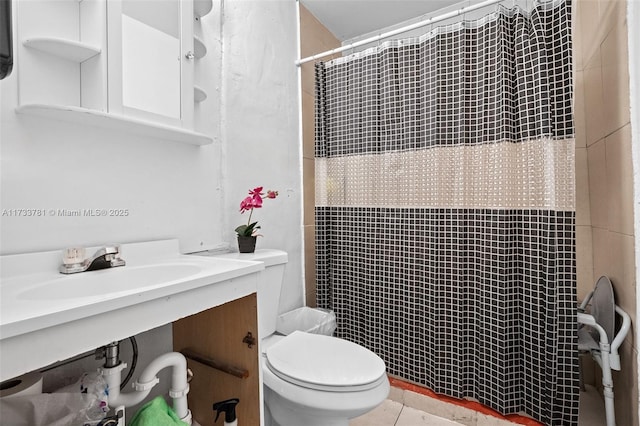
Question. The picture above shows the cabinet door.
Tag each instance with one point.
(150, 67)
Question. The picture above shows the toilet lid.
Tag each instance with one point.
(324, 362)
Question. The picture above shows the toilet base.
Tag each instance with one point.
(291, 415)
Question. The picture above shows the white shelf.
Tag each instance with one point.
(202, 7)
(63, 48)
(199, 48)
(111, 121)
(199, 95)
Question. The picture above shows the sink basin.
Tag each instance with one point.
(46, 316)
(115, 280)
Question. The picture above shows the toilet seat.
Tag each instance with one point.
(325, 363)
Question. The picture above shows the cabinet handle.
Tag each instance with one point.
(190, 55)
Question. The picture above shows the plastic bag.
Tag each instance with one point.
(311, 320)
(82, 403)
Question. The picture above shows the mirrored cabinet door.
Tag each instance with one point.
(151, 60)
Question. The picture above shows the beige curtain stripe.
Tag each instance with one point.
(501, 175)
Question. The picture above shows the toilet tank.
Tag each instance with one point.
(269, 285)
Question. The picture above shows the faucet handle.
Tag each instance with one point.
(73, 255)
(113, 254)
(109, 252)
(114, 249)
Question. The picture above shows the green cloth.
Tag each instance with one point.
(156, 413)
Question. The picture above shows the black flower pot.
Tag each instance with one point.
(246, 244)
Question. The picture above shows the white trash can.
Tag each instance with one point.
(311, 320)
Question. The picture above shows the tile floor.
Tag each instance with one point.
(407, 408)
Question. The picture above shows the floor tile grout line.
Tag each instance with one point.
(399, 414)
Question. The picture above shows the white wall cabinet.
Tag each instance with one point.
(122, 64)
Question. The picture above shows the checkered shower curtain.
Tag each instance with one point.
(445, 208)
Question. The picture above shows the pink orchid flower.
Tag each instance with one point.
(246, 204)
(253, 201)
(256, 191)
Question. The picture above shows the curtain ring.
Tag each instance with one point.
(464, 15)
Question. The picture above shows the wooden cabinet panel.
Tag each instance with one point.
(217, 333)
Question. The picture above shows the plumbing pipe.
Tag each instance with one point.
(116, 399)
(148, 379)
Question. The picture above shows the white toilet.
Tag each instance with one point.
(311, 379)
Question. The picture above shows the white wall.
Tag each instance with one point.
(262, 146)
(172, 190)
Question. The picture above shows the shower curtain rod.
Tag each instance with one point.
(404, 29)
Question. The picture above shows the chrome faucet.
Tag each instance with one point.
(74, 260)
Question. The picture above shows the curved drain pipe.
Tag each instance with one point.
(148, 379)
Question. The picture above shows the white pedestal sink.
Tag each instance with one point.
(46, 316)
